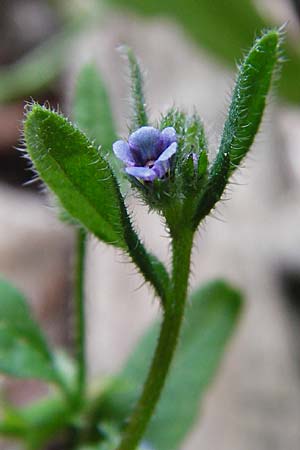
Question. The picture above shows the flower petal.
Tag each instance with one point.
(145, 144)
(162, 165)
(168, 136)
(168, 153)
(144, 173)
(122, 151)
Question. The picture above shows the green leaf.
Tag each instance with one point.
(202, 163)
(23, 350)
(249, 96)
(72, 167)
(92, 113)
(140, 118)
(211, 317)
(86, 187)
(244, 116)
(91, 108)
(46, 419)
(37, 422)
(12, 424)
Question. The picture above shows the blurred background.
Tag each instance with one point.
(189, 50)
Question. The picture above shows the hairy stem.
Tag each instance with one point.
(79, 310)
(173, 315)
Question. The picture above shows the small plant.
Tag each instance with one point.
(168, 166)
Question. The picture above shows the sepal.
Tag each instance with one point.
(139, 116)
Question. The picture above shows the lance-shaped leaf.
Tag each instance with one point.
(244, 117)
(73, 169)
(23, 349)
(92, 113)
(86, 187)
(211, 317)
(92, 110)
(249, 97)
(140, 118)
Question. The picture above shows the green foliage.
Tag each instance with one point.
(244, 117)
(86, 187)
(23, 349)
(187, 172)
(111, 436)
(72, 167)
(140, 118)
(191, 164)
(249, 97)
(45, 419)
(235, 21)
(211, 317)
(81, 176)
(92, 113)
(91, 109)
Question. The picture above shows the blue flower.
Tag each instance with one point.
(148, 152)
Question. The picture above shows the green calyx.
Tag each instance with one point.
(188, 167)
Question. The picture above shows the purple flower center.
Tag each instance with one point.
(148, 152)
(150, 164)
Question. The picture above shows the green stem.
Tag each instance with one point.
(79, 310)
(142, 413)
